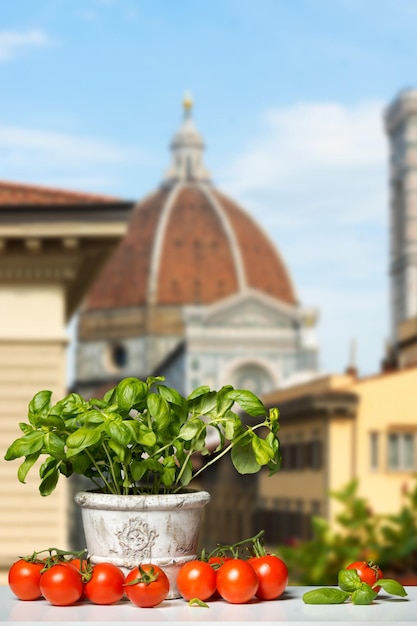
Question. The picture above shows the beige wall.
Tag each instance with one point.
(32, 357)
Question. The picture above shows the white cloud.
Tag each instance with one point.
(316, 179)
(316, 158)
(22, 145)
(12, 42)
(67, 160)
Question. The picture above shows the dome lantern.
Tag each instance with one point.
(187, 148)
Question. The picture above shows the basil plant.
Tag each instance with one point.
(141, 437)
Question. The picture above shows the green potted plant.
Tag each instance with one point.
(136, 445)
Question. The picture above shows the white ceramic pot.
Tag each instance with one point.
(130, 530)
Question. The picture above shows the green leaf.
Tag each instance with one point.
(204, 403)
(27, 464)
(392, 587)
(191, 429)
(224, 401)
(131, 394)
(80, 463)
(119, 432)
(54, 445)
(169, 471)
(49, 482)
(93, 416)
(172, 396)
(110, 396)
(139, 468)
(24, 446)
(26, 428)
(81, 439)
(364, 595)
(262, 450)
(159, 409)
(325, 595)
(248, 402)
(198, 391)
(118, 449)
(348, 579)
(40, 403)
(146, 436)
(243, 458)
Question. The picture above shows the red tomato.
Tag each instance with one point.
(272, 574)
(24, 579)
(196, 579)
(61, 584)
(369, 572)
(237, 581)
(106, 585)
(147, 585)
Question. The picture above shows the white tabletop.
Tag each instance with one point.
(288, 608)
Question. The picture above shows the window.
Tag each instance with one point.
(401, 451)
(374, 450)
(119, 355)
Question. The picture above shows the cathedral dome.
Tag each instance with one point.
(188, 243)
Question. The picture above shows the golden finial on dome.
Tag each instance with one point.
(187, 103)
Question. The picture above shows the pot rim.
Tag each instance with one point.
(192, 498)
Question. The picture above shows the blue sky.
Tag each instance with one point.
(289, 95)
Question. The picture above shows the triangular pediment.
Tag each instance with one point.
(250, 309)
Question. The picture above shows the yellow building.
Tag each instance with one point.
(333, 430)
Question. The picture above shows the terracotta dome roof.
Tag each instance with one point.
(188, 243)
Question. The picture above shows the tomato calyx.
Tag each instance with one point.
(146, 576)
(54, 556)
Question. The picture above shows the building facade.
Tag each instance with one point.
(52, 244)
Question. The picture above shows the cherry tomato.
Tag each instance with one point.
(196, 579)
(106, 585)
(24, 579)
(147, 585)
(272, 574)
(237, 581)
(61, 584)
(369, 572)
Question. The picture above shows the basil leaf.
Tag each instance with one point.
(248, 402)
(325, 595)
(40, 403)
(263, 451)
(172, 396)
(54, 445)
(198, 392)
(191, 429)
(131, 393)
(119, 432)
(49, 482)
(81, 439)
(159, 409)
(243, 457)
(26, 445)
(26, 466)
(392, 586)
(348, 579)
(364, 595)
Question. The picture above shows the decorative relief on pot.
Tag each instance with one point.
(136, 539)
